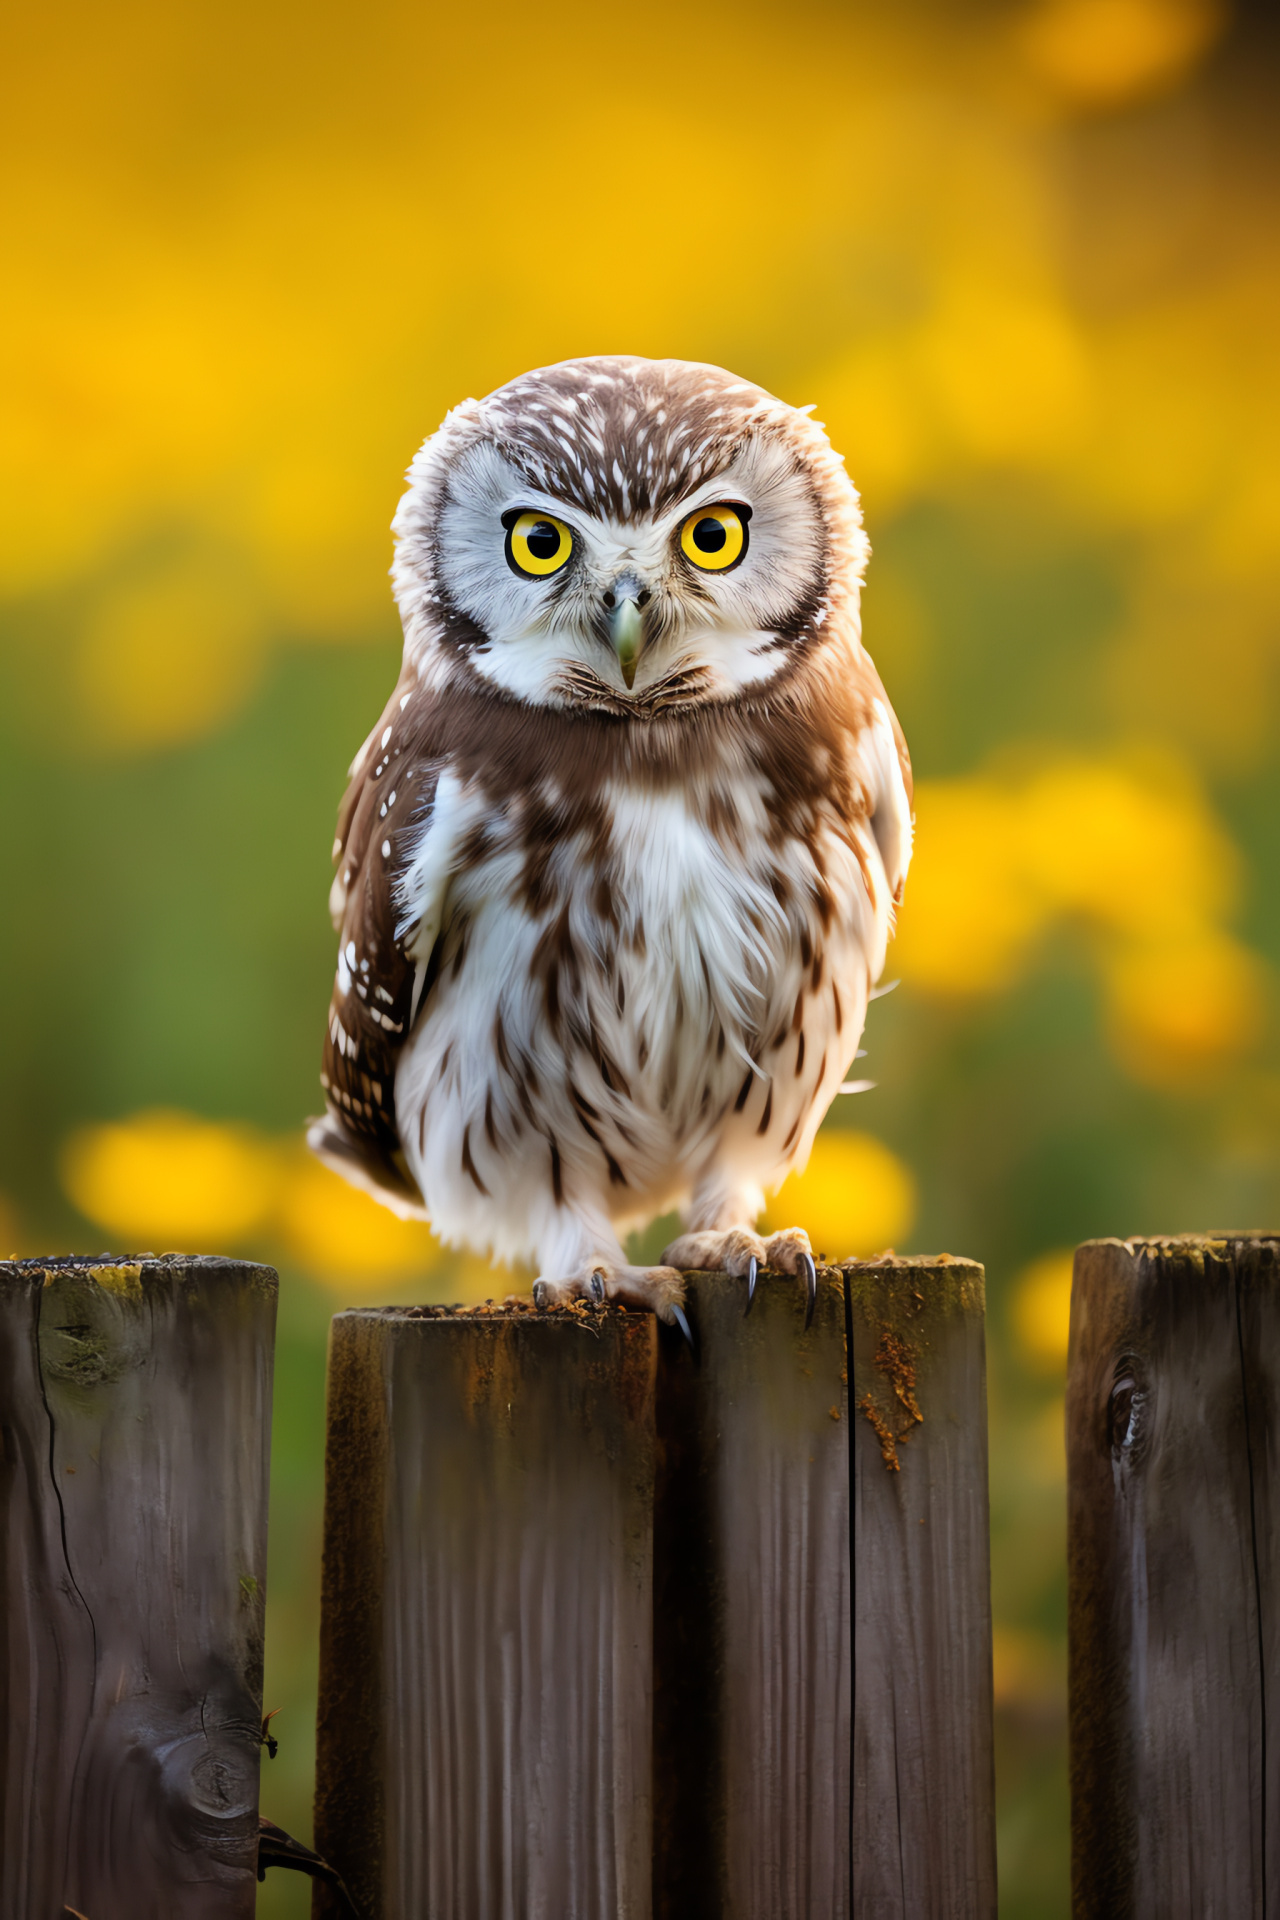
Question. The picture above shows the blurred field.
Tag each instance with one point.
(1024, 259)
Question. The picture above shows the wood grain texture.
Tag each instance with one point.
(135, 1407)
(823, 1717)
(573, 1570)
(923, 1773)
(1173, 1575)
(487, 1615)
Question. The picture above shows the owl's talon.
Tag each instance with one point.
(678, 1315)
(789, 1251)
(738, 1251)
(600, 1282)
(811, 1287)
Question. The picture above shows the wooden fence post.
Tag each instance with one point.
(535, 1528)
(1173, 1457)
(135, 1405)
(486, 1657)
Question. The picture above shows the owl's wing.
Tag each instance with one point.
(394, 857)
(887, 772)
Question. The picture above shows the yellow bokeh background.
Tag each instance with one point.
(1127, 851)
(1024, 258)
(1042, 1310)
(855, 1197)
(165, 1180)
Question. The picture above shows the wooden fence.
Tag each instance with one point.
(613, 1630)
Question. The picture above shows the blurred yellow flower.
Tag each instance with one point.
(1129, 850)
(854, 1198)
(1173, 1009)
(1131, 847)
(1042, 1309)
(971, 909)
(167, 1181)
(1105, 51)
(170, 1181)
(344, 1236)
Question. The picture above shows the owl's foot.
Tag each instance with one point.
(657, 1290)
(741, 1252)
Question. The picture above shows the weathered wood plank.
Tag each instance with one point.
(135, 1405)
(823, 1722)
(486, 1660)
(1172, 1561)
(924, 1784)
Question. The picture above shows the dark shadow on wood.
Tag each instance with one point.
(753, 1663)
(688, 1639)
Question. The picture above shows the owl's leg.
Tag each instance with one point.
(740, 1250)
(583, 1260)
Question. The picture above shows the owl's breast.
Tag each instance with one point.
(724, 924)
(635, 986)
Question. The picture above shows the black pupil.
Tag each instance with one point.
(543, 540)
(710, 535)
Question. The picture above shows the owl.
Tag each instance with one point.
(617, 866)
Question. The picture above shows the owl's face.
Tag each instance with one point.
(622, 532)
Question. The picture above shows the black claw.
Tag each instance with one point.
(677, 1314)
(597, 1287)
(811, 1284)
(752, 1270)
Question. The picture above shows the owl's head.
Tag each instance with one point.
(626, 535)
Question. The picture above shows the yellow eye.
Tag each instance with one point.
(537, 544)
(715, 538)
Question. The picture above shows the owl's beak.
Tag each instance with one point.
(626, 633)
